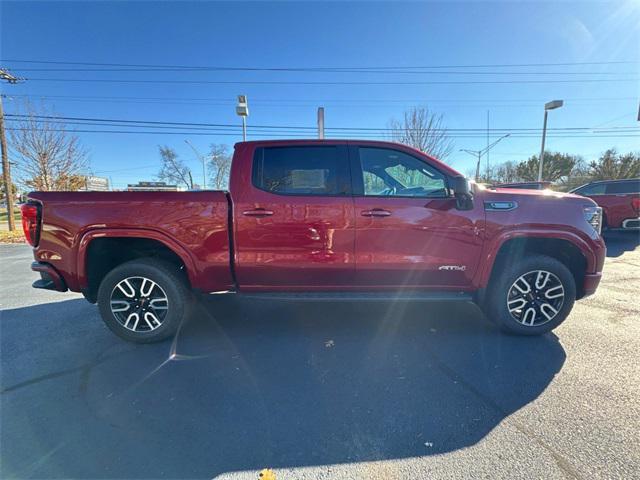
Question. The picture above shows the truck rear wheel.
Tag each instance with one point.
(144, 300)
(531, 296)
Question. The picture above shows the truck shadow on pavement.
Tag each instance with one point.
(251, 385)
(620, 242)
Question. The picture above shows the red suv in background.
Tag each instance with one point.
(619, 199)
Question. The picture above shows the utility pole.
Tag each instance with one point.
(6, 167)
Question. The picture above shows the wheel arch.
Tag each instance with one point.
(100, 251)
(562, 249)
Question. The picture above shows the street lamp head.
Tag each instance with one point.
(553, 104)
(242, 108)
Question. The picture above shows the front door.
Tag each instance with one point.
(408, 230)
(294, 222)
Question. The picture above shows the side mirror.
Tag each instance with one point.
(463, 193)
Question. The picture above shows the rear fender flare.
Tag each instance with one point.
(175, 247)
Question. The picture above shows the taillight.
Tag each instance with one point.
(31, 222)
(635, 203)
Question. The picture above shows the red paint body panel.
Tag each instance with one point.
(540, 214)
(617, 208)
(411, 246)
(310, 242)
(193, 224)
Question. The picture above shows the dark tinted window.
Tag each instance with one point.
(595, 189)
(628, 186)
(312, 170)
(392, 173)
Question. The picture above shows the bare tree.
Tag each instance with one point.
(422, 129)
(173, 169)
(220, 165)
(47, 156)
(506, 172)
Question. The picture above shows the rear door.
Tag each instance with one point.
(294, 220)
(619, 196)
(408, 230)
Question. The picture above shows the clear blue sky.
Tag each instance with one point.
(306, 34)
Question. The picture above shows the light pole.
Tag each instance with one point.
(321, 122)
(203, 159)
(242, 110)
(475, 153)
(479, 153)
(547, 106)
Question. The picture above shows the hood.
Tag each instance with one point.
(534, 193)
(532, 196)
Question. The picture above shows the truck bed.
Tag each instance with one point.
(193, 224)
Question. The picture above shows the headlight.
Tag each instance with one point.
(593, 215)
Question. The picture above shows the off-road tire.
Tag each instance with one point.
(495, 304)
(172, 285)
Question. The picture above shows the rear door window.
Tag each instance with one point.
(303, 170)
(628, 186)
(595, 189)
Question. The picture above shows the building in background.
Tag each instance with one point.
(96, 184)
(151, 186)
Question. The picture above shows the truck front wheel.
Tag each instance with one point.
(144, 300)
(531, 296)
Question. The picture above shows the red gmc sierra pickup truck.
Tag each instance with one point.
(619, 199)
(320, 219)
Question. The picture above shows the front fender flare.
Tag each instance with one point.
(493, 246)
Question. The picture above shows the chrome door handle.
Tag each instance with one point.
(258, 212)
(376, 212)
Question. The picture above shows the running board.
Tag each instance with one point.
(361, 296)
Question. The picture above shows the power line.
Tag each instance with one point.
(315, 100)
(311, 101)
(335, 68)
(150, 123)
(333, 71)
(305, 135)
(285, 82)
(51, 117)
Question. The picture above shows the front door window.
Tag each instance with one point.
(393, 173)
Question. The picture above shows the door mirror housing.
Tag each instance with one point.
(463, 193)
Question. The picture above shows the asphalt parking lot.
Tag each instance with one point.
(321, 391)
